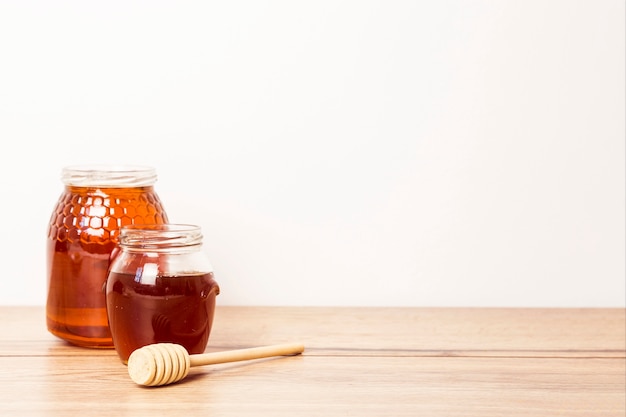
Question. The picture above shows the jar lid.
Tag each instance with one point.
(111, 176)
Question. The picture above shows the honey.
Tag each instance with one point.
(82, 239)
(176, 309)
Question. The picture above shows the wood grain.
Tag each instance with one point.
(357, 361)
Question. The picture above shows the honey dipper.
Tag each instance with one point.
(166, 363)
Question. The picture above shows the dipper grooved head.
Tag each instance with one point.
(158, 364)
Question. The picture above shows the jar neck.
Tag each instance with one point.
(108, 176)
(160, 237)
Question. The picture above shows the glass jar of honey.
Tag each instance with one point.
(82, 239)
(160, 288)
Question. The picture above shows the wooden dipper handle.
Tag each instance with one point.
(246, 354)
(165, 363)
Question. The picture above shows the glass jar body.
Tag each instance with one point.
(160, 288)
(82, 238)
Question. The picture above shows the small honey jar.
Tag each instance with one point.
(160, 288)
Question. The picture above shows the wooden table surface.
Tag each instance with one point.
(357, 362)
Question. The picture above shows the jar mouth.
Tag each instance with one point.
(156, 236)
(111, 176)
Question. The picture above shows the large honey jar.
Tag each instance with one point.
(82, 239)
(161, 289)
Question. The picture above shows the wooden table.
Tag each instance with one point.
(357, 362)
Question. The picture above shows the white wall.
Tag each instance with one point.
(413, 153)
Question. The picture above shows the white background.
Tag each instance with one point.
(410, 153)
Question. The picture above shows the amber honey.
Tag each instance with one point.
(82, 238)
(174, 309)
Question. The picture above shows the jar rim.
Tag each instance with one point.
(113, 176)
(164, 235)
